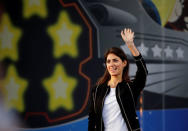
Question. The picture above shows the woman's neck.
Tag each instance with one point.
(114, 81)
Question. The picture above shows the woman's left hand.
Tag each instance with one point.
(128, 36)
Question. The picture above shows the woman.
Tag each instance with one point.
(114, 98)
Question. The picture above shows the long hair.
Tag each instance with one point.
(118, 52)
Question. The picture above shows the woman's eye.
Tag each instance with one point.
(108, 61)
(115, 60)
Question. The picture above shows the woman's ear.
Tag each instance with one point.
(124, 63)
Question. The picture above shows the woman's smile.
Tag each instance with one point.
(114, 65)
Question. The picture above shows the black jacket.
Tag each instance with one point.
(127, 94)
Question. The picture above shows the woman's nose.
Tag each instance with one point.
(111, 64)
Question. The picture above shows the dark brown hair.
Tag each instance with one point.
(118, 52)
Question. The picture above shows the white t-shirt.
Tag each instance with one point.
(112, 117)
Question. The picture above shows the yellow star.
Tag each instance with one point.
(9, 37)
(34, 7)
(13, 89)
(60, 87)
(65, 35)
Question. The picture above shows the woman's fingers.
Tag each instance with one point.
(127, 34)
(128, 30)
(123, 35)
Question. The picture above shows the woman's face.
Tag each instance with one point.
(115, 65)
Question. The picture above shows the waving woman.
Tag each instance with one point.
(114, 97)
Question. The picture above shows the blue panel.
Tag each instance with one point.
(79, 125)
(152, 120)
(165, 120)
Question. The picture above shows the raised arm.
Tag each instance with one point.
(138, 83)
(128, 37)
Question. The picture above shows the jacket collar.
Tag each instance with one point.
(105, 85)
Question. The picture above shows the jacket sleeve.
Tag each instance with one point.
(141, 75)
(92, 114)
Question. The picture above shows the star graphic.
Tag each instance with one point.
(34, 7)
(34, 2)
(13, 89)
(60, 88)
(143, 49)
(59, 91)
(168, 51)
(156, 51)
(65, 35)
(6, 38)
(180, 53)
(9, 37)
(12, 85)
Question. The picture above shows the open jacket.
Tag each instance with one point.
(127, 94)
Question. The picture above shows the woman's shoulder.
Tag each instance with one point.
(94, 87)
(127, 83)
(98, 86)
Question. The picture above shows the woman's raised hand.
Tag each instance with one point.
(128, 36)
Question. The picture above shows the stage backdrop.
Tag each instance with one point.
(51, 54)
